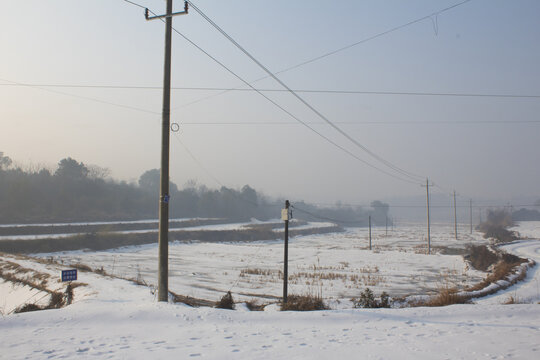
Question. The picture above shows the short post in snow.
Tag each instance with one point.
(369, 232)
(285, 218)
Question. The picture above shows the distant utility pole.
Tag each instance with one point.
(455, 215)
(163, 237)
(386, 232)
(428, 225)
(369, 232)
(285, 217)
(470, 212)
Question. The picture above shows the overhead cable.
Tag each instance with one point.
(414, 177)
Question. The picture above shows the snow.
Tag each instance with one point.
(124, 321)
(528, 291)
(147, 221)
(114, 318)
(13, 295)
(338, 265)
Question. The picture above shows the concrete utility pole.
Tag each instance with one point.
(163, 237)
(285, 217)
(470, 212)
(428, 224)
(455, 215)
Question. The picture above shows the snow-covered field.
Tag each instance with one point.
(113, 318)
(339, 266)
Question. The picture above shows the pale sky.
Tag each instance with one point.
(483, 147)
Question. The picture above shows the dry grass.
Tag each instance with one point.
(303, 303)
(191, 301)
(501, 271)
(257, 271)
(511, 300)
(253, 305)
(445, 297)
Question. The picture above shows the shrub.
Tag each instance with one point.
(367, 300)
(385, 300)
(303, 303)
(226, 302)
(27, 308)
(57, 301)
(496, 226)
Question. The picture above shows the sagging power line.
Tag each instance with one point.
(414, 177)
(346, 47)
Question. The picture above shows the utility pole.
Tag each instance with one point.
(386, 233)
(455, 215)
(285, 217)
(369, 232)
(163, 237)
(470, 212)
(428, 224)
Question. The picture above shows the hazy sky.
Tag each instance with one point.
(484, 147)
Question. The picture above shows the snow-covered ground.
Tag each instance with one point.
(113, 318)
(216, 227)
(123, 321)
(339, 265)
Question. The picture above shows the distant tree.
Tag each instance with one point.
(149, 180)
(5, 161)
(380, 212)
(97, 172)
(249, 195)
(71, 169)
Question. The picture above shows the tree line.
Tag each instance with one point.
(76, 192)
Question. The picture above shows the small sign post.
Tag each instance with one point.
(69, 275)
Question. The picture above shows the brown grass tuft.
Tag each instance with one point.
(303, 303)
(447, 297)
(253, 305)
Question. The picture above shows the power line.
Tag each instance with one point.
(38, 87)
(309, 91)
(405, 122)
(430, 16)
(133, 3)
(42, 86)
(198, 162)
(329, 205)
(288, 112)
(408, 174)
(324, 217)
(394, 29)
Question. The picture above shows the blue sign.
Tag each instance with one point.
(69, 275)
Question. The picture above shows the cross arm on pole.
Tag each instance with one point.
(185, 12)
